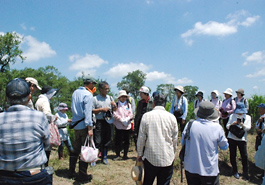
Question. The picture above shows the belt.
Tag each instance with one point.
(33, 171)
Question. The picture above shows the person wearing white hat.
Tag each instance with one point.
(215, 99)
(143, 106)
(228, 107)
(62, 121)
(179, 107)
(122, 121)
(34, 86)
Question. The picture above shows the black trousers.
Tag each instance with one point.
(122, 139)
(181, 126)
(163, 174)
(102, 134)
(242, 146)
(225, 121)
(196, 179)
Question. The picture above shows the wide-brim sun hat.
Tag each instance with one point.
(240, 108)
(122, 93)
(62, 106)
(137, 172)
(241, 91)
(216, 92)
(228, 91)
(179, 88)
(206, 110)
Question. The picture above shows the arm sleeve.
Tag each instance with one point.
(247, 123)
(141, 137)
(185, 108)
(88, 107)
(172, 106)
(61, 122)
(222, 142)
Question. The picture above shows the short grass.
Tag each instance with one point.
(119, 172)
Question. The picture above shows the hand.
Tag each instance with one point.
(69, 120)
(183, 122)
(105, 109)
(139, 158)
(113, 104)
(90, 132)
(235, 123)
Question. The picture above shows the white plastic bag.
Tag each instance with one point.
(89, 153)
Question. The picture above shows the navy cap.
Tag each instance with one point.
(17, 88)
(262, 105)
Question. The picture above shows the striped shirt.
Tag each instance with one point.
(24, 135)
(158, 135)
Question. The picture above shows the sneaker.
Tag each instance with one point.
(236, 175)
(105, 161)
(93, 164)
(84, 179)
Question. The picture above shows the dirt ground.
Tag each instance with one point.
(119, 172)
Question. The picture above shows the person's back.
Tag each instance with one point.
(202, 155)
(24, 134)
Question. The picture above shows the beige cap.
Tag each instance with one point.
(33, 81)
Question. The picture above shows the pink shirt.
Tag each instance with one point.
(123, 112)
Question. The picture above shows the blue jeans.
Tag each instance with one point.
(24, 177)
(68, 144)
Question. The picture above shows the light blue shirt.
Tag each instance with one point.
(184, 106)
(82, 102)
(201, 156)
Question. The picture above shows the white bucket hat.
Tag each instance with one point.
(180, 88)
(216, 92)
(228, 91)
(122, 93)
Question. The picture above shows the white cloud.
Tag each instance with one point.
(258, 73)
(36, 50)
(255, 87)
(122, 69)
(23, 26)
(213, 28)
(2, 33)
(184, 81)
(86, 62)
(155, 75)
(258, 57)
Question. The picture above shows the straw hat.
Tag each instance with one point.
(137, 172)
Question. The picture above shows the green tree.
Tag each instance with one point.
(167, 89)
(133, 81)
(9, 50)
(190, 92)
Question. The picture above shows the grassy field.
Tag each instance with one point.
(119, 172)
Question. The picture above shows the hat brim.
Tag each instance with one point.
(213, 117)
(226, 92)
(38, 87)
(240, 111)
(123, 95)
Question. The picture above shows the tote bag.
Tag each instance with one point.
(89, 153)
(55, 140)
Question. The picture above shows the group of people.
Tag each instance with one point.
(25, 138)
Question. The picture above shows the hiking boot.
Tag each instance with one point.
(125, 157)
(71, 175)
(245, 177)
(84, 178)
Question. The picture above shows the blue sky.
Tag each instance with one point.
(211, 44)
